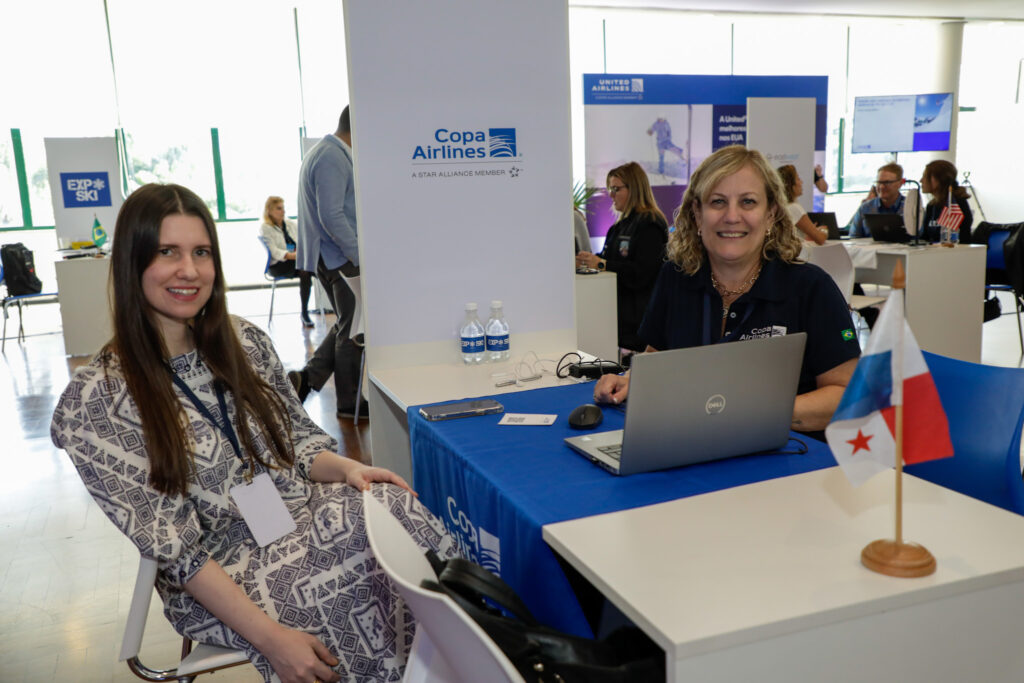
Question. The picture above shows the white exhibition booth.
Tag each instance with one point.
(461, 139)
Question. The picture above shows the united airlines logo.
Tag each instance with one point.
(457, 145)
(85, 189)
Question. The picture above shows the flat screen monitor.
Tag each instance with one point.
(902, 123)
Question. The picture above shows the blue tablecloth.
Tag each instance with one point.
(496, 486)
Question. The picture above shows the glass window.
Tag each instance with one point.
(56, 82)
(904, 66)
(182, 154)
(10, 199)
(989, 137)
(324, 60)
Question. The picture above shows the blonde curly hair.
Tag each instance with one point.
(685, 248)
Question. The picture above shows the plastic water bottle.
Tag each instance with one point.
(497, 334)
(954, 236)
(471, 334)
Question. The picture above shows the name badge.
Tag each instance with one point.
(263, 510)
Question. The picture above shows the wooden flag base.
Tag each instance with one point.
(892, 558)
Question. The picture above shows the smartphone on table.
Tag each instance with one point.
(450, 411)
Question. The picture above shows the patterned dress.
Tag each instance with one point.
(322, 578)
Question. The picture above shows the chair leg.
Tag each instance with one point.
(359, 388)
(273, 289)
(1020, 332)
(3, 344)
(21, 324)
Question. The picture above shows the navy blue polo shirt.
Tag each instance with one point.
(686, 311)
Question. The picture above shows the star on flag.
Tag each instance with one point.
(860, 442)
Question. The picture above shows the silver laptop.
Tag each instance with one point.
(702, 403)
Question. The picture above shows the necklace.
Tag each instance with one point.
(744, 286)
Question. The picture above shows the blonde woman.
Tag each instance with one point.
(634, 248)
(733, 274)
(279, 233)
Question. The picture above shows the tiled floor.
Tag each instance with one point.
(66, 573)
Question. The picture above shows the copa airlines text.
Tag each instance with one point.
(453, 145)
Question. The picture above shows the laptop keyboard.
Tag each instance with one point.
(614, 451)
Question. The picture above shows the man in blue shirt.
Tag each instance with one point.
(885, 197)
(327, 245)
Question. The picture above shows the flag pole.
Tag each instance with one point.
(886, 556)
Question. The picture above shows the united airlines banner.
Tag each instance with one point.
(84, 186)
(669, 124)
(461, 141)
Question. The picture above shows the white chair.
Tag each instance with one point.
(449, 646)
(196, 660)
(835, 260)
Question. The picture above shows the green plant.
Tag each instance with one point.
(581, 195)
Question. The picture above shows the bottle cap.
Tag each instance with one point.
(471, 306)
(496, 304)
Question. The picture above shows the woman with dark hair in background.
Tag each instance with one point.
(188, 434)
(939, 180)
(634, 248)
(278, 233)
(794, 186)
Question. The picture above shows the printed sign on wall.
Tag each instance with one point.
(669, 124)
(84, 187)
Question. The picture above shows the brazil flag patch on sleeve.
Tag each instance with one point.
(848, 335)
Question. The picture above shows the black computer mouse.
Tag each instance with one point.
(586, 416)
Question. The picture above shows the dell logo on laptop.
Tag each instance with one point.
(715, 405)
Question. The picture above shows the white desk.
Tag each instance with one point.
(597, 319)
(84, 309)
(764, 582)
(945, 290)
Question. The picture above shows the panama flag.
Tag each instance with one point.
(862, 434)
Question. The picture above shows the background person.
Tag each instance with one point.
(634, 248)
(733, 274)
(328, 246)
(278, 233)
(884, 197)
(794, 187)
(662, 131)
(939, 180)
(819, 179)
(171, 420)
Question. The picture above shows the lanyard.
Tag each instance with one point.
(224, 427)
(706, 326)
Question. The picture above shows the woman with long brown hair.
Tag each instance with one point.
(794, 186)
(939, 180)
(634, 248)
(187, 432)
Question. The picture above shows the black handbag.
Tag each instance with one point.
(542, 654)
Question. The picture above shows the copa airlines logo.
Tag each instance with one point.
(477, 544)
(457, 145)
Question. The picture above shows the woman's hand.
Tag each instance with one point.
(611, 388)
(289, 256)
(361, 476)
(328, 466)
(585, 259)
(299, 657)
